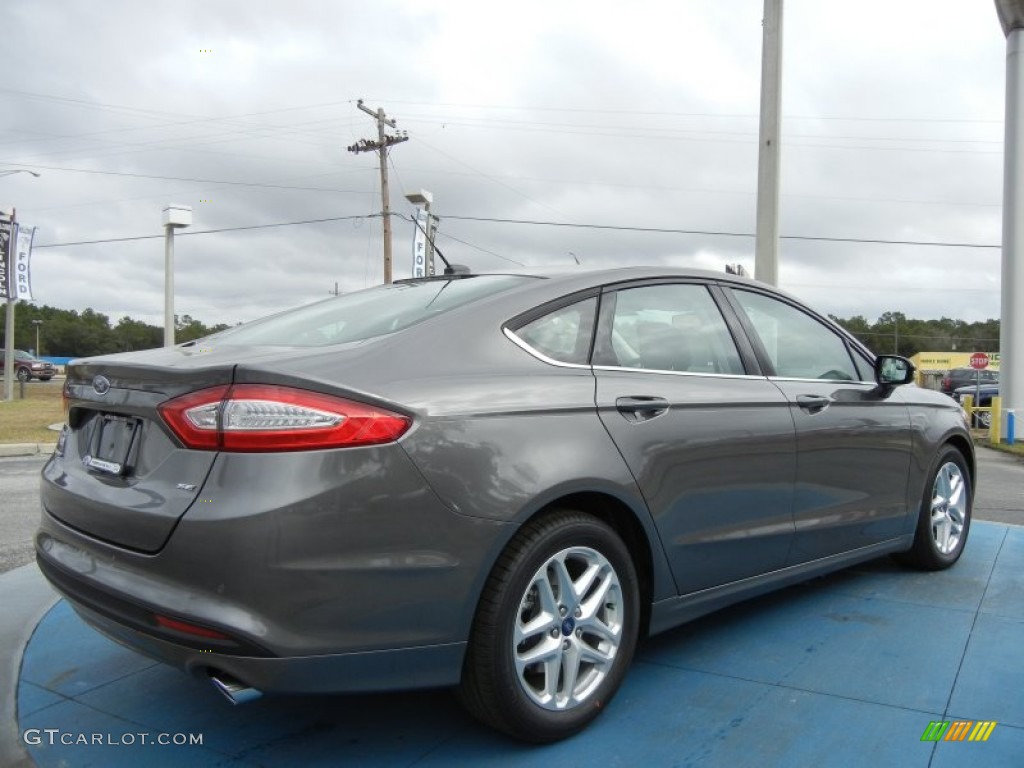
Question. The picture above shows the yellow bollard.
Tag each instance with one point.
(968, 405)
(996, 426)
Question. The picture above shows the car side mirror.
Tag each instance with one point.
(892, 371)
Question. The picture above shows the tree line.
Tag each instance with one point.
(895, 333)
(69, 333)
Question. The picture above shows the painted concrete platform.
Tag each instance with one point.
(846, 670)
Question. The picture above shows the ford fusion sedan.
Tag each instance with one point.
(494, 482)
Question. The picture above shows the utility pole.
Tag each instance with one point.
(381, 147)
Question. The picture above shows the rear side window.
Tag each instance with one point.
(670, 327)
(564, 334)
(366, 314)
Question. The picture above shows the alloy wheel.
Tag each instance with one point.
(568, 629)
(949, 507)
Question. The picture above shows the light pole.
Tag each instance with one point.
(37, 323)
(20, 170)
(425, 198)
(766, 245)
(1011, 334)
(175, 216)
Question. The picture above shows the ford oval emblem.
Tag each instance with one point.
(101, 385)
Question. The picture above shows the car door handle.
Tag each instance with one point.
(813, 403)
(641, 407)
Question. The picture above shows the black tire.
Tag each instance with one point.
(949, 491)
(24, 374)
(492, 688)
(45, 378)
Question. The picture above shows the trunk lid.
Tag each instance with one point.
(118, 474)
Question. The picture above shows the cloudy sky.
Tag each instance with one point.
(634, 115)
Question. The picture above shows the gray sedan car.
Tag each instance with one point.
(498, 483)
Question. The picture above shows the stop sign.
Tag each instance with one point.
(979, 361)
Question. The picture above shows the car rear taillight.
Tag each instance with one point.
(263, 417)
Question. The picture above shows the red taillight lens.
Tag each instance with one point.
(264, 417)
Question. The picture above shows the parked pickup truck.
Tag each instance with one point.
(28, 367)
(982, 399)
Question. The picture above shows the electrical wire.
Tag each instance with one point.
(570, 225)
(207, 231)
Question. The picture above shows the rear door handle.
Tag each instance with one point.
(641, 407)
(813, 403)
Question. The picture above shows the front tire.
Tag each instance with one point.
(944, 519)
(555, 630)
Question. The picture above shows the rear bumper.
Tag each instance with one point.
(308, 584)
(394, 669)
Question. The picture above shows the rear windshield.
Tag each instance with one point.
(365, 314)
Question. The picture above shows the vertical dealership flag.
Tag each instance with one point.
(21, 263)
(419, 245)
(6, 250)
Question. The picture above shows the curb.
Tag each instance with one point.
(25, 449)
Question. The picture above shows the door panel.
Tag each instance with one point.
(853, 460)
(853, 444)
(715, 460)
(712, 449)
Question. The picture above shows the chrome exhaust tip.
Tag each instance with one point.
(233, 690)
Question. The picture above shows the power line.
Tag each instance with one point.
(196, 181)
(570, 225)
(714, 233)
(207, 231)
(753, 116)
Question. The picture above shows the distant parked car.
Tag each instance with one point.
(29, 367)
(961, 377)
(982, 399)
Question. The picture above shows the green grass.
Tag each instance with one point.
(1017, 448)
(26, 421)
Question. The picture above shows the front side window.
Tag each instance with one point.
(798, 345)
(564, 334)
(667, 327)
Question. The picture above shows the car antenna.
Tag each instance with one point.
(449, 269)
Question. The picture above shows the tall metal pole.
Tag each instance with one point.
(168, 286)
(766, 249)
(1011, 326)
(174, 216)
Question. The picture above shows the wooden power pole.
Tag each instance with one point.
(380, 145)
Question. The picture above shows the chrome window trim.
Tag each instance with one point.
(511, 336)
(680, 373)
(822, 381)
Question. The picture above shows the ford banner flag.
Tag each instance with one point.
(419, 245)
(21, 263)
(6, 248)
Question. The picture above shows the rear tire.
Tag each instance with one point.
(555, 629)
(23, 374)
(944, 519)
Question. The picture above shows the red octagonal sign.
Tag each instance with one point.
(979, 361)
